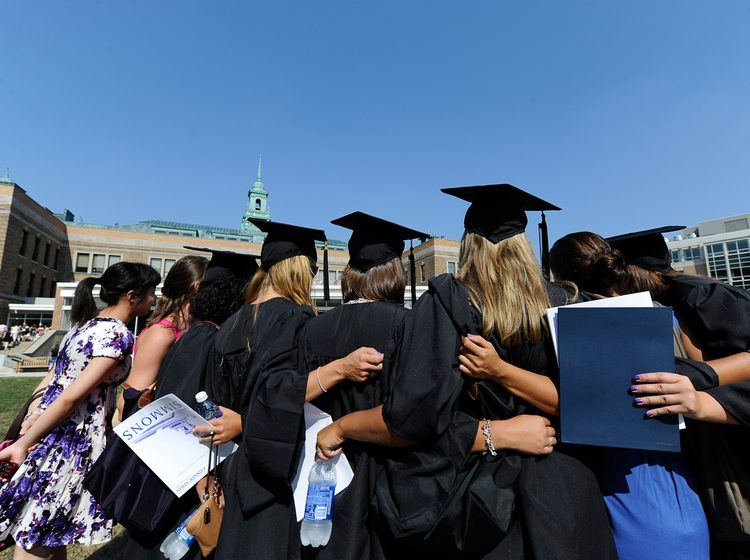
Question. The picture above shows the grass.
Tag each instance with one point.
(14, 392)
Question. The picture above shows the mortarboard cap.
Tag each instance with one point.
(223, 263)
(284, 241)
(497, 212)
(646, 248)
(374, 240)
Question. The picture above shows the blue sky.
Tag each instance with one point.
(628, 115)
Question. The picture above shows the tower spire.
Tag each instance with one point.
(257, 204)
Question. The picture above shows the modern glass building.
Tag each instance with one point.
(716, 248)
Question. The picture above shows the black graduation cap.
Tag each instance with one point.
(375, 241)
(498, 212)
(646, 248)
(284, 241)
(224, 263)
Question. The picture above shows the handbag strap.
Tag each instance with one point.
(210, 466)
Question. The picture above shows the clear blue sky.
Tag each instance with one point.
(627, 114)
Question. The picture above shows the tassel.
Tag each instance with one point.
(544, 242)
(326, 285)
(412, 274)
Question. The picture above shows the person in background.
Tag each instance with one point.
(44, 506)
(165, 326)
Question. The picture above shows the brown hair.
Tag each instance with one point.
(181, 283)
(589, 261)
(504, 282)
(384, 282)
(291, 279)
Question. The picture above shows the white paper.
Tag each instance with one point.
(641, 299)
(316, 420)
(161, 434)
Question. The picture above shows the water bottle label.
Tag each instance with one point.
(186, 537)
(319, 504)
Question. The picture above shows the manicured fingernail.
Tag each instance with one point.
(636, 378)
(638, 401)
(650, 413)
(634, 388)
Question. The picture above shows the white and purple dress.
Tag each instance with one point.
(45, 503)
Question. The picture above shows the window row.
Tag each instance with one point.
(94, 263)
(33, 289)
(46, 250)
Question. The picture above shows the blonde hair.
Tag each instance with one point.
(505, 284)
(291, 279)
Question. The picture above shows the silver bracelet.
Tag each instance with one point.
(317, 374)
(487, 432)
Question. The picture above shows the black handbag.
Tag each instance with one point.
(129, 492)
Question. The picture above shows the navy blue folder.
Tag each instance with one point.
(601, 349)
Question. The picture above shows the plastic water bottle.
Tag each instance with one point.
(317, 524)
(206, 408)
(178, 542)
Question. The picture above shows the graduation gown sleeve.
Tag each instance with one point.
(426, 383)
(715, 316)
(272, 430)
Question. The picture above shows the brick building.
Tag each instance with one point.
(43, 255)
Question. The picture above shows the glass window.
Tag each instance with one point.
(35, 253)
(82, 262)
(47, 253)
(30, 290)
(57, 258)
(168, 265)
(156, 263)
(113, 259)
(24, 240)
(452, 268)
(42, 285)
(97, 264)
(17, 285)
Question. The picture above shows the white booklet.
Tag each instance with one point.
(161, 434)
(316, 420)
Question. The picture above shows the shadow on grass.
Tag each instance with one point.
(112, 550)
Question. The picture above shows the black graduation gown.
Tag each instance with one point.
(442, 497)
(716, 317)
(182, 373)
(256, 358)
(328, 337)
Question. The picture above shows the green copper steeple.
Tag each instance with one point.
(257, 204)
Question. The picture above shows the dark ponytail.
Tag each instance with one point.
(84, 306)
(117, 280)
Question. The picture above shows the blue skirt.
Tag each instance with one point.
(653, 507)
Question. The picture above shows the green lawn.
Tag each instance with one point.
(14, 392)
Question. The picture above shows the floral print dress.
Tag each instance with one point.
(45, 503)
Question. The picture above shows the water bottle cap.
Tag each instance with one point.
(201, 397)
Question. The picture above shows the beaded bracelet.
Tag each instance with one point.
(487, 432)
(317, 374)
